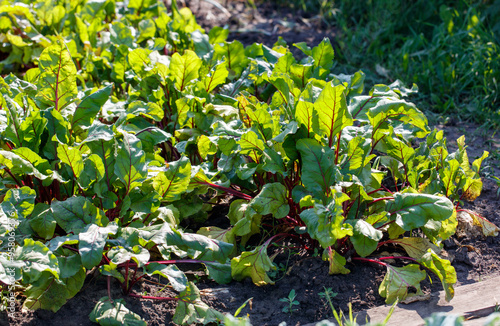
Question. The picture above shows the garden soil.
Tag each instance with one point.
(473, 258)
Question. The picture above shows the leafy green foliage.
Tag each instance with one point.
(112, 147)
(291, 302)
(109, 312)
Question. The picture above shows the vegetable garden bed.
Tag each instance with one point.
(144, 161)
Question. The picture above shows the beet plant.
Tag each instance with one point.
(120, 137)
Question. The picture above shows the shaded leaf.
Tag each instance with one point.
(175, 276)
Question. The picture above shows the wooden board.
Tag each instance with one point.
(476, 299)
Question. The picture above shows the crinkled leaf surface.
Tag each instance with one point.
(114, 313)
(191, 310)
(37, 259)
(398, 280)
(75, 213)
(326, 223)
(271, 200)
(47, 293)
(254, 264)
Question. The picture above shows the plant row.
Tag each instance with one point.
(125, 123)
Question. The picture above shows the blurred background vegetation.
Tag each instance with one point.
(450, 49)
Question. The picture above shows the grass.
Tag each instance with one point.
(450, 49)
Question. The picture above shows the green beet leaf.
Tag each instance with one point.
(73, 157)
(332, 111)
(37, 259)
(122, 254)
(70, 262)
(251, 145)
(50, 294)
(93, 171)
(184, 68)
(175, 276)
(200, 247)
(220, 273)
(271, 200)
(218, 75)
(147, 30)
(75, 213)
(365, 238)
(19, 203)
(24, 161)
(58, 128)
(254, 264)
(246, 221)
(88, 108)
(323, 54)
(11, 270)
(25, 132)
(398, 280)
(174, 181)
(306, 115)
(336, 263)
(139, 60)
(234, 54)
(191, 310)
(443, 269)
(57, 80)
(14, 119)
(130, 165)
(413, 210)
(319, 172)
(206, 146)
(109, 312)
(92, 242)
(416, 247)
(42, 221)
(390, 109)
(326, 223)
(108, 270)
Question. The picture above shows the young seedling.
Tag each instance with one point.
(291, 302)
(328, 294)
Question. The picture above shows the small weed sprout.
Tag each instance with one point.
(327, 294)
(291, 302)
